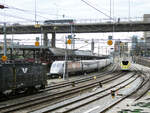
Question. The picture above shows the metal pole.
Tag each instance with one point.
(41, 35)
(12, 40)
(98, 47)
(72, 35)
(65, 75)
(110, 10)
(129, 10)
(5, 41)
(72, 38)
(35, 11)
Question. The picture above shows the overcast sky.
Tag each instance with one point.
(77, 9)
(24, 10)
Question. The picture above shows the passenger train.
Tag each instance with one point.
(125, 64)
(57, 67)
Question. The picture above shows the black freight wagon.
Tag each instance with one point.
(16, 77)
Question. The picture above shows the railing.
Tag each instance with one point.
(83, 21)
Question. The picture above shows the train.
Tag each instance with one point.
(125, 64)
(83, 66)
(22, 77)
(61, 21)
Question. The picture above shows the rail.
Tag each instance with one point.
(54, 96)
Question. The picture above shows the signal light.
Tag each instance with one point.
(37, 25)
(112, 93)
(109, 42)
(69, 41)
(4, 58)
(37, 43)
(94, 77)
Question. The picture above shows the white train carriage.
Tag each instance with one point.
(57, 67)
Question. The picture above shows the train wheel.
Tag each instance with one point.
(85, 73)
(31, 90)
(3, 96)
(42, 86)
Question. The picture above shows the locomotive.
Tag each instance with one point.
(125, 64)
(57, 67)
(20, 77)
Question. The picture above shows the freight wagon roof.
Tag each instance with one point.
(56, 51)
(61, 52)
(28, 47)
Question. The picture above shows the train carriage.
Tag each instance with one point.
(57, 67)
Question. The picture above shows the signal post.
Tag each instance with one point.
(67, 41)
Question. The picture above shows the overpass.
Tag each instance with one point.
(78, 28)
(133, 26)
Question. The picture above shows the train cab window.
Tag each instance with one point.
(54, 65)
(59, 65)
(125, 62)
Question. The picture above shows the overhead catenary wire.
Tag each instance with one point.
(39, 13)
(17, 17)
(96, 9)
(27, 11)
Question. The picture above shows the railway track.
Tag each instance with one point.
(77, 102)
(80, 80)
(63, 84)
(142, 85)
(51, 97)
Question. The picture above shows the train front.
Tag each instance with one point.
(125, 64)
(56, 69)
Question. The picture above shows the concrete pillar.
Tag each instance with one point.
(53, 41)
(45, 39)
(92, 45)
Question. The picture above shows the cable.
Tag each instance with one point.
(28, 11)
(9, 15)
(96, 9)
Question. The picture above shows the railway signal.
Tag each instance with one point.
(109, 42)
(94, 77)
(37, 25)
(73, 84)
(100, 84)
(37, 43)
(69, 41)
(4, 58)
(112, 93)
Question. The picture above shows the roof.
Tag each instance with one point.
(61, 52)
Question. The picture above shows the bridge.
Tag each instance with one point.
(78, 28)
(132, 26)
